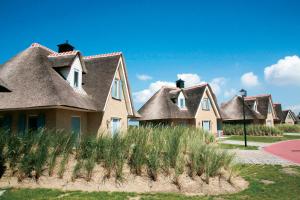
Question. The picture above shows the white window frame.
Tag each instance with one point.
(255, 106)
(116, 92)
(181, 99)
(118, 127)
(206, 106)
(206, 121)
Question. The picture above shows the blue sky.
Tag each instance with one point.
(212, 41)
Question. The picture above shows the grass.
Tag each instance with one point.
(283, 186)
(266, 139)
(287, 128)
(253, 130)
(236, 146)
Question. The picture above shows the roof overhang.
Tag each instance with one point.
(49, 107)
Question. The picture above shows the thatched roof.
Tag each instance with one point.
(286, 112)
(162, 105)
(99, 78)
(262, 103)
(33, 81)
(66, 59)
(233, 110)
(278, 109)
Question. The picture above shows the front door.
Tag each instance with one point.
(75, 126)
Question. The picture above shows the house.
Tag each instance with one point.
(195, 106)
(65, 90)
(289, 117)
(258, 110)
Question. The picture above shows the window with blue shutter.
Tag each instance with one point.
(22, 124)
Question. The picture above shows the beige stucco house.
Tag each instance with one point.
(195, 106)
(258, 110)
(65, 90)
(289, 117)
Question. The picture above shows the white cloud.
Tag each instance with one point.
(295, 108)
(249, 79)
(143, 95)
(285, 72)
(189, 79)
(216, 84)
(143, 77)
(230, 93)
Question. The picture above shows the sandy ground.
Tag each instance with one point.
(130, 183)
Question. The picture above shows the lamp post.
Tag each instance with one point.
(243, 94)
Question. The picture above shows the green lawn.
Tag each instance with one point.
(282, 185)
(267, 139)
(235, 146)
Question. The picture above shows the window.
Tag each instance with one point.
(115, 125)
(33, 123)
(205, 104)
(181, 103)
(206, 125)
(255, 106)
(117, 89)
(269, 109)
(75, 126)
(76, 75)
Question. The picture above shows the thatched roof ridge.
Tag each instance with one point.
(233, 110)
(163, 105)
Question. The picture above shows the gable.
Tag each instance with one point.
(121, 75)
(270, 106)
(214, 107)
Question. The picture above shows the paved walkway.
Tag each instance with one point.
(259, 157)
(289, 150)
(267, 154)
(293, 134)
(249, 143)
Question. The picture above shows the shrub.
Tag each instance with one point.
(288, 128)
(255, 130)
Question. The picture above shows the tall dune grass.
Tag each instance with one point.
(255, 130)
(288, 128)
(146, 150)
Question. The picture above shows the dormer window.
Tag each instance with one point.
(181, 101)
(76, 76)
(117, 89)
(269, 109)
(255, 106)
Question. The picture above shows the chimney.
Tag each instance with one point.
(64, 47)
(180, 83)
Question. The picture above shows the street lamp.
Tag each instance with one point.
(243, 94)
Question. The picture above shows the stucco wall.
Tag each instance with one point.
(270, 117)
(63, 120)
(289, 120)
(54, 118)
(207, 115)
(115, 108)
